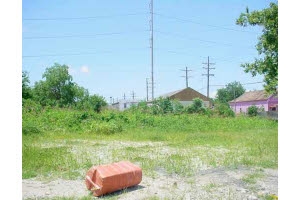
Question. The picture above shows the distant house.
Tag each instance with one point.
(185, 96)
(123, 104)
(258, 98)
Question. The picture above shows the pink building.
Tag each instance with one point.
(258, 98)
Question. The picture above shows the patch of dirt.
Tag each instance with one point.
(217, 183)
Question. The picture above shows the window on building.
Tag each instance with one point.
(273, 108)
(125, 105)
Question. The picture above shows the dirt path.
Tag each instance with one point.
(219, 183)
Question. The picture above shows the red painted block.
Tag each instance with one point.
(104, 179)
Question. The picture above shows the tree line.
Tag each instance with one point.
(57, 89)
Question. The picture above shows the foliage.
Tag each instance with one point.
(69, 140)
(96, 102)
(267, 45)
(162, 106)
(196, 107)
(57, 88)
(26, 90)
(177, 107)
(252, 111)
(223, 109)
(230, 92)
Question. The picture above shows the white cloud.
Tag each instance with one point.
(84, 69)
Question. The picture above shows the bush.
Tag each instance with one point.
(196, 107)
(177, 107)
(252, 111)
(223, 109)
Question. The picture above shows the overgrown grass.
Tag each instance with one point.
(66, 143)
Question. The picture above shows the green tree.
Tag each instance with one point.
(26, 90)
(97, 102)
(57, 88)
(231, 91)
(267, 45)
(81, 97)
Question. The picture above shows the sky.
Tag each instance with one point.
(106, 44)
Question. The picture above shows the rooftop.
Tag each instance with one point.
(257, 95)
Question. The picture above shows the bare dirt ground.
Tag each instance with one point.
(219, 183)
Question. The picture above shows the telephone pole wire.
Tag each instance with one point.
(208, 73)
(186, 76)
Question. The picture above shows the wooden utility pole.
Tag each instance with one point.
(147, 89)
(186, 76)
(133, 95)
(208, 73)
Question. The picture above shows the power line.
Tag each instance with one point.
(197, 39)
(194, 22)
(81, 18)
(77, 54)
(241, 84)
(76, 36)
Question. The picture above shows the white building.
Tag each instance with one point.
(124, 104)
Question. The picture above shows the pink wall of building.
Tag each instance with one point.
(239, 107)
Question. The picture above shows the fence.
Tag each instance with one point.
(269, 114)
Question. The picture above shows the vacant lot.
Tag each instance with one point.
(182, 157)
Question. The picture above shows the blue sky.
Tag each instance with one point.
(108, 47)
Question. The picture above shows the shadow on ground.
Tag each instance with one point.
(120, 192)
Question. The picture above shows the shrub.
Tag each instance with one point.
(196, 107)
(252, 111)
(223, 109)
(177, 107)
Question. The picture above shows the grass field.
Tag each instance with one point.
(65, 144)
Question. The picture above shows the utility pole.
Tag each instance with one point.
(186, 76)
(208, 73)
(147, 89)
(133, 95)
(151, 46)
